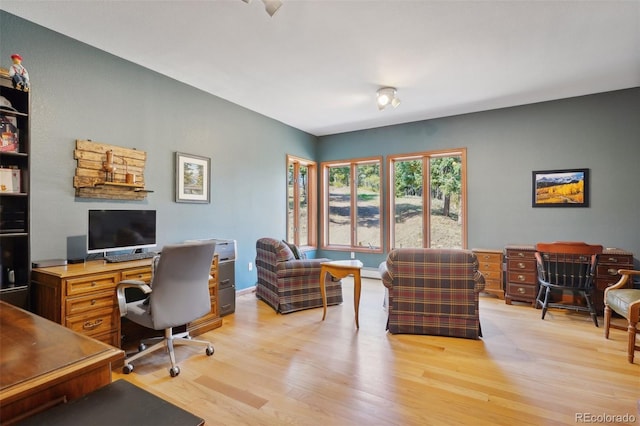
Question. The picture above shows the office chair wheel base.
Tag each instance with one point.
(174, 371)
(127, 369)
(209, 351)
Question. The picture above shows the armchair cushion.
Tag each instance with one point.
(294, 249)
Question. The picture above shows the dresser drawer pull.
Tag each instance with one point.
(93, 283)
(91, 325)
(140, 275)
(521, 278)
(612, 260)
(486, 256)
(521, 290)
(520, 254)
(612, 271)
(93, 301)
(521, 265)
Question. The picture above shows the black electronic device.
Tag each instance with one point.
(116, 230)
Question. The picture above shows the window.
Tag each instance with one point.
(351, 205)
(301, 201)
(434, 218)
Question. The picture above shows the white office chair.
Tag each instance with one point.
(178, 294)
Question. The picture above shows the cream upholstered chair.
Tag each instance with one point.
(624, 301)
(178, 294)
(433, 291)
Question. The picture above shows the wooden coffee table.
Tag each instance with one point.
(341, 269)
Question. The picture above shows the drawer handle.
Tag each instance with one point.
(93, 283)
(139, 275)
(521, 290)
(486, 256)
(521, 265)
(612, 260)
(93, 301)
(612, 271)
(521, 254)
(91, 325)
(520, 278)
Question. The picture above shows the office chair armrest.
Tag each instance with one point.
(122, 285)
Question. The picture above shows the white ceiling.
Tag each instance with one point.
(316, 64)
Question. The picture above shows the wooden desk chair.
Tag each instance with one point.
(570, 267)
(626, 303)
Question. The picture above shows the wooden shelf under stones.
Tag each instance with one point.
(91, 181)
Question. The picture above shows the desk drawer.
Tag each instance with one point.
(139, 274)
(489, 258)
(78, 305)
(522, 265)
(491, 275)
(616, 260)
(492, 285)
(93, 323)
(91, 284)
(521, 290)
(530, 278)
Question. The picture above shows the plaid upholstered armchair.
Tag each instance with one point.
(288, 284)
(433, 291)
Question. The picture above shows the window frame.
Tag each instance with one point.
(312, 200)
(425, 156)
(324, 204)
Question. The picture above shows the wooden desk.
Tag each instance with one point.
(82, 296)
(341, 269)
(43, 363)
(522, 277)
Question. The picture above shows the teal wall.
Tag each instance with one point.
(79, 92)
(600, 132)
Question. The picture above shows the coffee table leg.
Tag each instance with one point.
(323, 291)
(357, 287)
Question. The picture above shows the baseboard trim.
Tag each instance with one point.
(370, 273)
(247, 290)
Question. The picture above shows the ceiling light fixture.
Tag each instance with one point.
(386, 96)
(271, 6)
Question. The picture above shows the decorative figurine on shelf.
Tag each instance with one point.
(18, 73)
(109, 167)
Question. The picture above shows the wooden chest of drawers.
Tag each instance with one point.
(522, 279)
(607, 273)
(490, 264)
(82, 297)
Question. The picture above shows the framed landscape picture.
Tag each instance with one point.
(193, 178)
(560, 188)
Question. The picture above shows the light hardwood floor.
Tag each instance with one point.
(294, 369)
